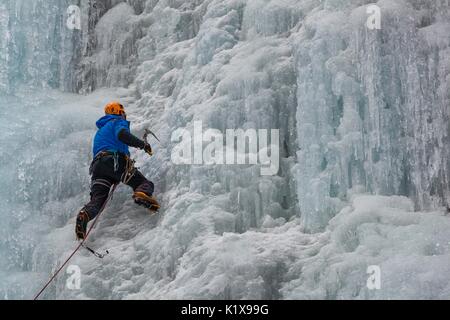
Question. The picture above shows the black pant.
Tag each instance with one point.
(104, 176)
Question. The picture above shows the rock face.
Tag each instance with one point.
(360, 110)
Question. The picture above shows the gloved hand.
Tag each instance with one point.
(148, 149)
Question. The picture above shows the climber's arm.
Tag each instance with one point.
(131, 140)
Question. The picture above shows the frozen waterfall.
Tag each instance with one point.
(364, 128)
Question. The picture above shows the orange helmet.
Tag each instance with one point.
(115, 108)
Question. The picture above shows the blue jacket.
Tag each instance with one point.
(106, 138)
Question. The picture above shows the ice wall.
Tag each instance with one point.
(359, 111)
(373, 110)
(36, 47)
(110, 33)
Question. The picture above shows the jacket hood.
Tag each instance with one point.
(104, 120)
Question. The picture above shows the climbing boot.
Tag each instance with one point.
(146, 201)
(81, 225)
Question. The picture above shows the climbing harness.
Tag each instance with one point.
(82, 244)
(130, 170)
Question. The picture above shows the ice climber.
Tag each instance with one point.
(112, 165)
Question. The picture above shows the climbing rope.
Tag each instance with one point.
(82, 244)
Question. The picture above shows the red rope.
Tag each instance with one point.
(80, 245)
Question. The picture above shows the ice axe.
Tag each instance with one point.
(146, 133)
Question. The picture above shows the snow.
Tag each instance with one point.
(411, 249)
(364, 170)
